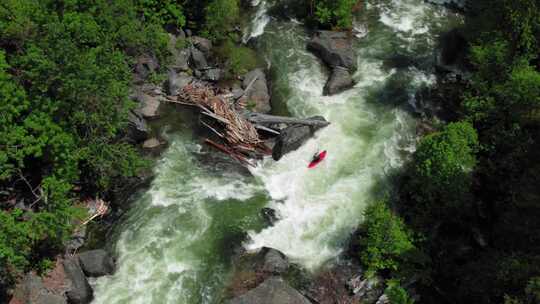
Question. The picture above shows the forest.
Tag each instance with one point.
(463, 221)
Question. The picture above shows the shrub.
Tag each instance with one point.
(386, 239)
(221, 17)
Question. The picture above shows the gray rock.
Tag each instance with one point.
(269, 215)
(272, 291)
(138, 129)
(340, 80)
(79, 291)
(96, 263)
(383, 300)
(292, 137)
(334, 49)
(198, 60)
(181, 60)
(204, 45)
(369, 290)
(258, 92)
(151, 143)
(145, 66)
(31, 290)
(212, 74)
(177, 81)
(274, 261)
(76, 240)
(149, 107)
(237, 93)
(188, 32)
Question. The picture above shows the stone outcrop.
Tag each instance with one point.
(96, 263)
(340, 80)
(335, 50)
(79, 291)
(292, 137)
(144, 67)
(138, 129)
(202, 44)
(257, 94)
(197, 59)
(274, 290)
(177, 81)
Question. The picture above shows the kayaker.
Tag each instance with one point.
(316, 157)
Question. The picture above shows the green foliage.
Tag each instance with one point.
(64, 80)
(239, 59)
(443, 163)
(386, 239)
(331, 13)
(221, 17)
(163, 12)
(397, 294)
(532, 290)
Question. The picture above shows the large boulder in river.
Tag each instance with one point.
(292, 137)
(96, 263)
(334, 49)
(272, 291)
(256, 91)
(79, 291)
(340, 80)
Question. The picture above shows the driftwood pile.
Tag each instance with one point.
(241, 134)
(239, 137)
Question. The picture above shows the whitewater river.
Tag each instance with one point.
(175, 244)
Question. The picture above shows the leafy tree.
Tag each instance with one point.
(443, 164)
(397, 294)
(221, 18)
(163, 12)
(386, 239)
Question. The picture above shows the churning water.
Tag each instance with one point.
(175, 244)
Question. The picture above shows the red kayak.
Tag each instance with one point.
(317, 159)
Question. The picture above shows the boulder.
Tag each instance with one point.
(145, 66)
(77, 239)
(180, 54)
(202, 44)
(292, 137)
(275, 262)
(79, 291)
(213, 74)
(96, 263)
(149, 105)
(370, 290)
(151, 143)
(177, 81)
(334, 49)
(256, 91)
(340, 80)
(198, 60)
(138, 130)
(269, 215)
(272, 291)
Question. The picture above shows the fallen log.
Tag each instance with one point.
(261, 119)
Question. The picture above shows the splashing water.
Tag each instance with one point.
(175, 244)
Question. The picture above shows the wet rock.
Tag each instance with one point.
(198, 60)
(257, 93)
(202, 44)
(269, 215)
(274, 261)
(177, 81)
(334, 49)
(272, 291)
(145, 65)
(79, 291)
(213, 74)
(96, 263)
(340, 80)
(291, 138)
(138, 130)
